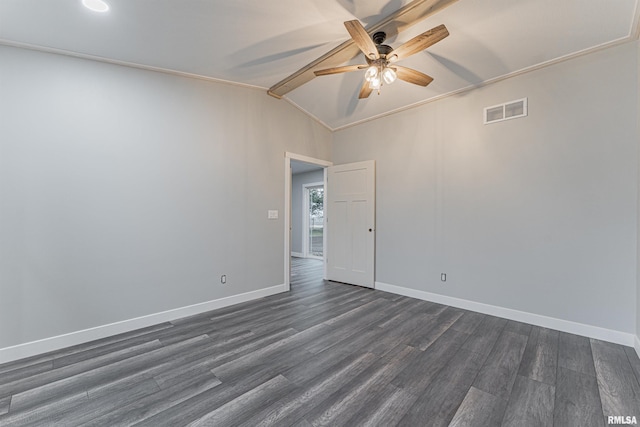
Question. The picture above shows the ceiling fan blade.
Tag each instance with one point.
(338, 70)
(362, 39)
(419, 43)
(365, 90)
(412, 76)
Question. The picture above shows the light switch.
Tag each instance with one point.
(272, 214)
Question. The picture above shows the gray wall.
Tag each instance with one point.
(537, 214)
(297, 201)
(125, 192)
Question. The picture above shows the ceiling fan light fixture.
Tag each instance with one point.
(388, 75)
(371, 73)
(375, 83)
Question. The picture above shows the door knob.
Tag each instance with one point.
(370, 230)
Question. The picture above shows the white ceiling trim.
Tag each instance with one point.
(125, 63)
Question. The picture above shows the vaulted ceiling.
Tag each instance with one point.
(259, 43)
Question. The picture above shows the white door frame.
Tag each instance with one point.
(305, 221)
(287, 209)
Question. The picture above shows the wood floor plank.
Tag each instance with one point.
(577, 401)
(634, 361)
(540, 359)
(297, 404)
(4, 405)
(311, 319)
(404, 313)
(416, 378)
(285, 344)
(397, 337)
(144, 334)
(384, 408)
(25, 371)
(345, 328)
(468, 322)
(216, 354)
(337, 408)
(84, 411)
(531, 404)
(26, 362)
(35, 416)
(485, 336)
(49, 357)
(243, 405)
(618, 386)
(356, 314)
(38, 388)
(499, 371)
(147, 363)
(479, 409)
(428, 307)
(184, 411)
(93, 352)
(151, 359)
(445, 393)
(278, 362)
(258, 317)
(320, 363)
(518, 328)
(574, 352)
(436, 326)
(330, 298)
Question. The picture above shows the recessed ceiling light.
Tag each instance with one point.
(96, 5)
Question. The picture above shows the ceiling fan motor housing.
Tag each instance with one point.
(383, 49)
(379, 37)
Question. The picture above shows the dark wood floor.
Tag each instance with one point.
(327, 354)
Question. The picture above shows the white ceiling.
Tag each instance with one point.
(258, 43)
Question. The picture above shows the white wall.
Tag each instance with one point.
(297, 203)
(125, 192)
(535, 214)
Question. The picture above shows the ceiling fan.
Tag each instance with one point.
(381, 59)
(398, 21)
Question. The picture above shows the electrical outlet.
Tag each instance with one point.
(443, 277)
(223, 279)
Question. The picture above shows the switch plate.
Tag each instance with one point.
(443, 277)
(272, 214)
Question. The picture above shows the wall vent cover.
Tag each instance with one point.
(508, 110)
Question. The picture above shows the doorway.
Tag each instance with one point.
(305, 228)
(313, 220)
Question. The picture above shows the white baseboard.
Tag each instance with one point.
(297, 254)
(590, 331)
(34, 348)
(636, 345)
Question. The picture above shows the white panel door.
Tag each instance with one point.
(351, 223)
